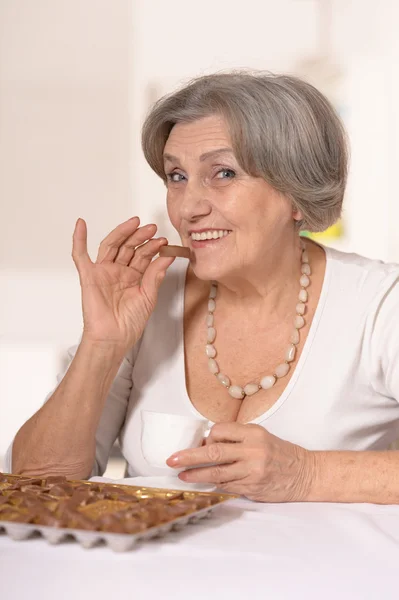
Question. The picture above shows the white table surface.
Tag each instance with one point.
(251, 550)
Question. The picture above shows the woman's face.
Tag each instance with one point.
(230, 220)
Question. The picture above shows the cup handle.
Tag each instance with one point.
(207, 431)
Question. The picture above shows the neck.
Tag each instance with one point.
(267, 284)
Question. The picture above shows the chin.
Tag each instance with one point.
(208, 270)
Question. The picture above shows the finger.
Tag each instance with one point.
(154, 275)
(211, 453)
(79, 245)
(145, 253)
(110, 244)
(218, 474)
(228, 432)
(127, 250)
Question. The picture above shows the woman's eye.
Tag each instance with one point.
(175, 177)
(225, 174)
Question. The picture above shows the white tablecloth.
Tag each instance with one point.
(250, 550)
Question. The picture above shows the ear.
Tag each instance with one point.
(297, 214)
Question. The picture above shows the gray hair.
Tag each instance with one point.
(282, 129)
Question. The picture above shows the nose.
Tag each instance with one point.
(195, 204)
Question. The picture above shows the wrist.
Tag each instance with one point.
(103, 359)
(308, 475)
(314, 476)
(98, 362)
(101, 347)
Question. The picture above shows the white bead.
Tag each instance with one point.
(251, 388)
(290, 354)
(213, 292)
(303, 296)
(224, 380)
(212, 304)
(305, 269)
(236, 392)
(210, 320)
(282, 370)
(210, 351)
(294, 339)
(304, 281)
(299, 322)
(268, 382)
(213, 366)
(211, 335)
(300, 308)
(305, 257)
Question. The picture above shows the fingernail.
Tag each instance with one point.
(173, 460)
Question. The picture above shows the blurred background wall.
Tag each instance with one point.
(76, 80)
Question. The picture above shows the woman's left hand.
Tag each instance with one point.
(250, 461)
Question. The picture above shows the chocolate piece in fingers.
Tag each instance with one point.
(170, 250)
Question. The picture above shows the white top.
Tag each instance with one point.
(343, 394)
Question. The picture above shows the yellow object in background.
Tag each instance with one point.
(334, 232)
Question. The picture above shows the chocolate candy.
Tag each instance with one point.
(78, 499)
(170, 250)
(35, 489)
(79, 521)
(46, 517)
(112, 525)
(62, 490)
(187, 505)
(119, 496)
(54, 480)
(202, 502)
(27, 481)
(133, 526)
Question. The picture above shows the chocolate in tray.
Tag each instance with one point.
(102, 507)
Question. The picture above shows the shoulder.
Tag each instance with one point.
(364, 280)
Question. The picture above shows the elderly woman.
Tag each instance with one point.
(290, 349)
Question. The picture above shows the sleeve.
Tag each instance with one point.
(384, 341)
(113, 414)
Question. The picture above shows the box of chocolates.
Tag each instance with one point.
(93, 513)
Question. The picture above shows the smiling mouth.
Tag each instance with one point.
(212, 234)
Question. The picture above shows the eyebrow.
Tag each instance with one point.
(205, 156)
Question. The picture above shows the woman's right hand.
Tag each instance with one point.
(119, 290)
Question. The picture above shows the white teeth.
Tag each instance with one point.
(209, 235)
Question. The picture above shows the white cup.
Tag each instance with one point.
(163, 434)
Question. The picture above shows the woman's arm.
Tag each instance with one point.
(248, 460)
(60, 437)
(119, 293)
(351, 476)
